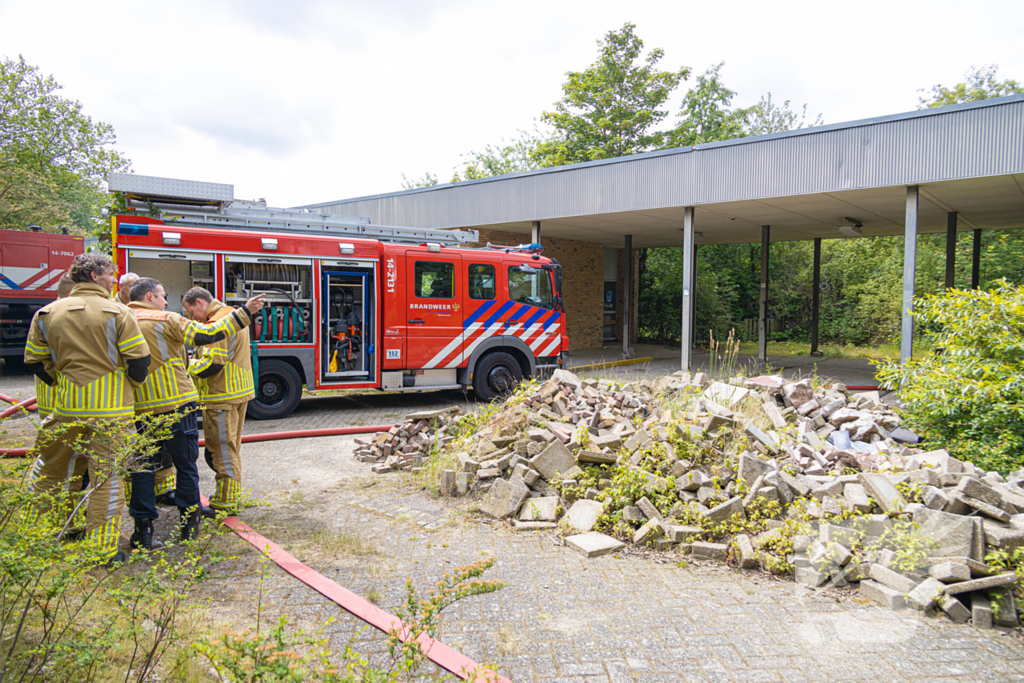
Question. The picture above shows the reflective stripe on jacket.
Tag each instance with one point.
(88, 340)
(233, 383)
(168, 385)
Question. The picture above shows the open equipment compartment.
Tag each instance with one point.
(177, 271)
(287, 286)
(347, 334)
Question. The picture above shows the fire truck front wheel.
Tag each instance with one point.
(278, 391)
(497, 374)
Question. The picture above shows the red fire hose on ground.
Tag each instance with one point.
(439, 653)
(27, 404)
(252, 438)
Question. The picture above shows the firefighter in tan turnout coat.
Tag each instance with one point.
(223, 375)
(168, 389)
(92, 349)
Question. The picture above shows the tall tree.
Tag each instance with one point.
(613, 107)
(705, 115)
(53, 157)
(979, 84)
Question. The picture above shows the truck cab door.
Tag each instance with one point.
(433, 309)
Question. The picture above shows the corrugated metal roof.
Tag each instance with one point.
(971, 140)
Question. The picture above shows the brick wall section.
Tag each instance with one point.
(582, 282)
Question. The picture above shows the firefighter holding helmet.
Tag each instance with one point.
(223, 375)
(170, 389)
(91, 347)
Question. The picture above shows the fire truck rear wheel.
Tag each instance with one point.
(497, 374)
(278, 391)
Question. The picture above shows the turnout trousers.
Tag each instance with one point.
(181, 449)
(62, 440)
(222, 429)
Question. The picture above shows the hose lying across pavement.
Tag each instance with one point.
(252, 438)
(444, 656)
(27, 404)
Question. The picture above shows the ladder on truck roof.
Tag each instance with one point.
(213, 205)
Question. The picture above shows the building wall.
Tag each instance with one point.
(582, 282)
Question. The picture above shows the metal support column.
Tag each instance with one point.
(535, 232)
(627, 306)
(950, 249)
(976, 261)
(815, 296)
(688, 277)
(693, 297)
(909, 272)
(762, 314)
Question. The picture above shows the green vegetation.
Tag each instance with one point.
(54, 157)
(968, 397)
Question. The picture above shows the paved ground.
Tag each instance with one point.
(561, 617)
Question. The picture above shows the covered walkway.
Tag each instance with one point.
(956, 169)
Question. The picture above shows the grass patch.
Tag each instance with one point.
(790, 349)
(374, 595)
(336, 543)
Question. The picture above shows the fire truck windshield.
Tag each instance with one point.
(527, 285)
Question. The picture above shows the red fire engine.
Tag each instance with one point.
(31, 263)
(350, 305)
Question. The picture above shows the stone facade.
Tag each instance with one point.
(582, 282)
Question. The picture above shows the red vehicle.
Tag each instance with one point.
(31, 263)
(353, 312)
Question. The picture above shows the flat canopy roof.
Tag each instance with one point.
(805, 183)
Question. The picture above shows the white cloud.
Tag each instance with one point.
(310, 101)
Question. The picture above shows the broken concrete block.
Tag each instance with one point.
(709, 551)
(765, 440)
(447, 481)
(894, 580)
(950, 572)
(883, 492)
(925, 594)
(596, 458)
(555, 459)
(583, 514)
(593, 544)
(981, 613)
(956, 610)
(612, 442)
(745, 553)
(1003, 538)
(631, 513)
(542, 509)
(947, 535)
(750, 468)
(934, 497)
(983, 507)
(692, 481)
(647, 507)
(831, 533)
(1006, 614)
(648, 532)
(725, 511)
(883, 595)
(997, 581)
(679, 533)
(505, 498)
(856, 495)
(808, 576)
(774, 414)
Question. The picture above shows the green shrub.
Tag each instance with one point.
(967, 397)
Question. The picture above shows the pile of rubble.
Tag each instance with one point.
(764, 472)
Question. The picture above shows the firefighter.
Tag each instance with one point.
(91, 346)
(124, 286)
(46, 398)
(223, 374)
(169, 388)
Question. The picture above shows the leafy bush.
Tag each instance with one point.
(967, 397)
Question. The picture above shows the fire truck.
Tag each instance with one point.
(31, 263)
(351, 305)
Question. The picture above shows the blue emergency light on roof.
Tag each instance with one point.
(532, 248)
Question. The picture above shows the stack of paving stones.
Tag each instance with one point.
(406, 447)
(834, 460)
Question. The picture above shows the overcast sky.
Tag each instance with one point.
(304, 101)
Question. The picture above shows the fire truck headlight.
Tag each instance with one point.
(172, 238)
(347, 248)
(269, 243)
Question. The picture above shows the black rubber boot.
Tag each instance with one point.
(143, 536)
(190, 520)
(166, 499)
(209, 512)
(116, 560)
